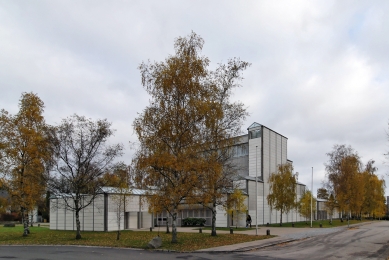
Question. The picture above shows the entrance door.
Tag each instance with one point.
(126, 219)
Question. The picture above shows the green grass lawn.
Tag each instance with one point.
(133, 239)
(316, 224)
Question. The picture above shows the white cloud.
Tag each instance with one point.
(318, 74)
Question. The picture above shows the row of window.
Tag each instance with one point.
(240, 150)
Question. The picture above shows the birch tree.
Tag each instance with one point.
(356, 190)
(335, 167)
(374, 191)
(182, 131)
(223, 124)
(25, 154)
(348, 188)
(82, 155)
(236, 203)
(330, 205)
(169, 129)
(282, 190)
(120, 182)
(304, 205)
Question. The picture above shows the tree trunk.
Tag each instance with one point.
(167, 225)
(78, 226)
(236, 222)
(32, 220)
(25, 231)
(27, 222)
(281, 218)
(331, 218)
(213, 232)
(119, 218)
(174, 226)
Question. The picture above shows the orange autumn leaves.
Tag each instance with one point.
(185, 132)
(355, 188)
(25, 152)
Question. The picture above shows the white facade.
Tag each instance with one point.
(266, 150)
(102, 213)
(258, 153)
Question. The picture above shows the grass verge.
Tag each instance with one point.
(130, 239)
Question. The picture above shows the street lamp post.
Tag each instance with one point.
(297, 177)
(311, 195)
(256, 190)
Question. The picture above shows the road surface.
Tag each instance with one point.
(365, 242)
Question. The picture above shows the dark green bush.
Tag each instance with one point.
(10, 217)
(193, 222)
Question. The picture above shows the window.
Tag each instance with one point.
(254, 134)
(240, 150)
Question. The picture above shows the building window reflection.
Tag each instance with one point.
(254, 134)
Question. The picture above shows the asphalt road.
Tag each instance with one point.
(364, 242)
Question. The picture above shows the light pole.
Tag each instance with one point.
(256, 190)
(311, 195)
(297, 177)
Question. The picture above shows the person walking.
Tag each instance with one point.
(248, 221)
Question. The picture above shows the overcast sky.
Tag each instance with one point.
(319, 72)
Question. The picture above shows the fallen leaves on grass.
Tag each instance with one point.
(131, 239)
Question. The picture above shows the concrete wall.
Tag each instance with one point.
(242, 164)
(221, 217)
(255, 157)
(147, 220)
(265, 213)
(92, 217)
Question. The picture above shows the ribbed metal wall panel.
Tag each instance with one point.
(254, 155)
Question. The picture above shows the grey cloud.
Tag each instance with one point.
(318, 74)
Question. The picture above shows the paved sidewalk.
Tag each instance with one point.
(284, 235)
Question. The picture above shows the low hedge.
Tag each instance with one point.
(193, 221)
(10, 217)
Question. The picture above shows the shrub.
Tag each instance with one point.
(193, 222)
(10, 217)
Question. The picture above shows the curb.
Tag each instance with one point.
(249, 248)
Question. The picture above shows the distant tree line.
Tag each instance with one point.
(351, 187)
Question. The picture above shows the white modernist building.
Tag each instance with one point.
(257, 154)
(104, 213)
